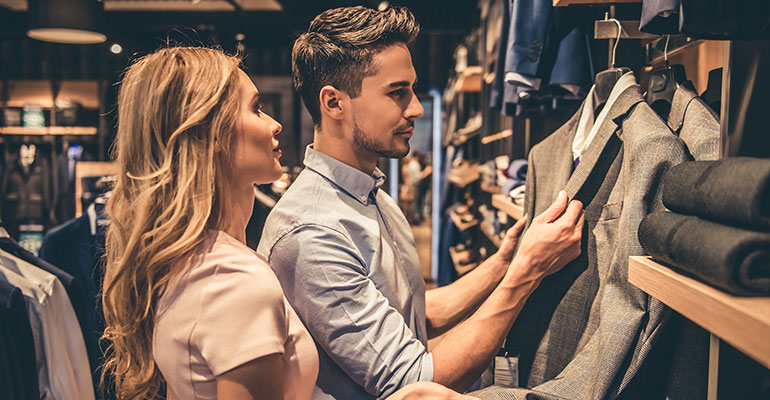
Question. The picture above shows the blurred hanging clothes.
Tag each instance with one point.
(65, 180)
(63, 369)
(77, 247)
(542, 52)
(707, 19)
(16, 345)
(26, 186)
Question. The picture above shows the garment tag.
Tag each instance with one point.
(507, 371)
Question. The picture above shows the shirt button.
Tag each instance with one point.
(363, 198)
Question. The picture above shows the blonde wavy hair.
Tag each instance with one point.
(177, 112)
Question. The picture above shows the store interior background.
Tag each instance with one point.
(36, 72)
(40, 73)
(44, 74)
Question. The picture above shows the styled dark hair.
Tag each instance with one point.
(338, 47)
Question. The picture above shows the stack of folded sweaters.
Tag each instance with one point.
(719, 230)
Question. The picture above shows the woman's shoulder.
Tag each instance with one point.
(226, 261)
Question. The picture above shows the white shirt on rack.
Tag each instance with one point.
(63, 369)
(587, 126)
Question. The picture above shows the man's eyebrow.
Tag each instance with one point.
(402, 84)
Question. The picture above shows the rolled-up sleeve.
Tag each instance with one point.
(326, 282)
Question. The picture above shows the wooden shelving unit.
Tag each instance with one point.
(460, 224)
(493, 189)
(492, 238)
(49, 130)
(465, 178)
(504, 204)
(457, 257)
(469, 80)
(744, 322)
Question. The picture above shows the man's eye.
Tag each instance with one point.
(398, 92)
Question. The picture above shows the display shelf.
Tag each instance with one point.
(460, 224)
(489, 188)
(564, 3)
(469, 80)
(458, 257)
(497, 136)
(463, 178)
(504, 204)
(744, 322)
(85, 169)
(49, 130)
(492, 237)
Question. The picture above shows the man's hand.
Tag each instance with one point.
(553, 238)
(507, 247)
(427, 391)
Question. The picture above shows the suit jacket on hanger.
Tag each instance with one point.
(586, 332)
(695, 123)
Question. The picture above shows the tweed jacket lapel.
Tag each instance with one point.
(589, 160)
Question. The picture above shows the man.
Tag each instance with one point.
(343, 251)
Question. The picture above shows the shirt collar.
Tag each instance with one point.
(354, 182)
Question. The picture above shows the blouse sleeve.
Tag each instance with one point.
(242, 315)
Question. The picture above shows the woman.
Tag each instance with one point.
(188, 306)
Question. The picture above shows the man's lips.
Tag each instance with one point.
(407, 132)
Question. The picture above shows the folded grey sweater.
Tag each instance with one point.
(733, 191)
(733, 259)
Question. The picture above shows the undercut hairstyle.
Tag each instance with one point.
(338, 48)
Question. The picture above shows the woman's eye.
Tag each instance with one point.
(257, 108)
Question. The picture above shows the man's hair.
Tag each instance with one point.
(338, 48)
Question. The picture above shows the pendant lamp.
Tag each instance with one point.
(65, 21)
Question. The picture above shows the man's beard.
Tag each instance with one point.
(363, 142)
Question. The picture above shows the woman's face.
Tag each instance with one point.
(256, 147)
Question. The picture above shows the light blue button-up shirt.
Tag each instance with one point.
(347, 261)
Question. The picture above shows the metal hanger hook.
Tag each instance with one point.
(665, 49)
(617, 39)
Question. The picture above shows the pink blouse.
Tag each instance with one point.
(224, 309)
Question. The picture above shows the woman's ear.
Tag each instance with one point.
(333, 102)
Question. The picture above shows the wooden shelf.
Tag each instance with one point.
(469, 80)
(503, 203)
(564, 3)
(493, 189)
(49, 130)
(462, 226)
(492, 238)
(466, 178)
(744, 322)
(458, 256)
(497, 136)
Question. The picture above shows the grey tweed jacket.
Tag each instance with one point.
(586, 332)
(695, 123)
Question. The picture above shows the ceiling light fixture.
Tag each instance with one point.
(383, 5)
(66, 21)
(116, 48)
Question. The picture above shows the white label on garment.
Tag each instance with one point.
(507, 371)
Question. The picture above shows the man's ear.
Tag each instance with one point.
(333, 102)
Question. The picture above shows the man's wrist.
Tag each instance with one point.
(522, 271)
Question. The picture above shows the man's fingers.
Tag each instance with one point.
(574, 211)
(555, 209)
(518, 227)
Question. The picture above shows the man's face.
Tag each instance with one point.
(384, 113)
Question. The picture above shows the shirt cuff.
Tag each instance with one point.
(523, 80)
